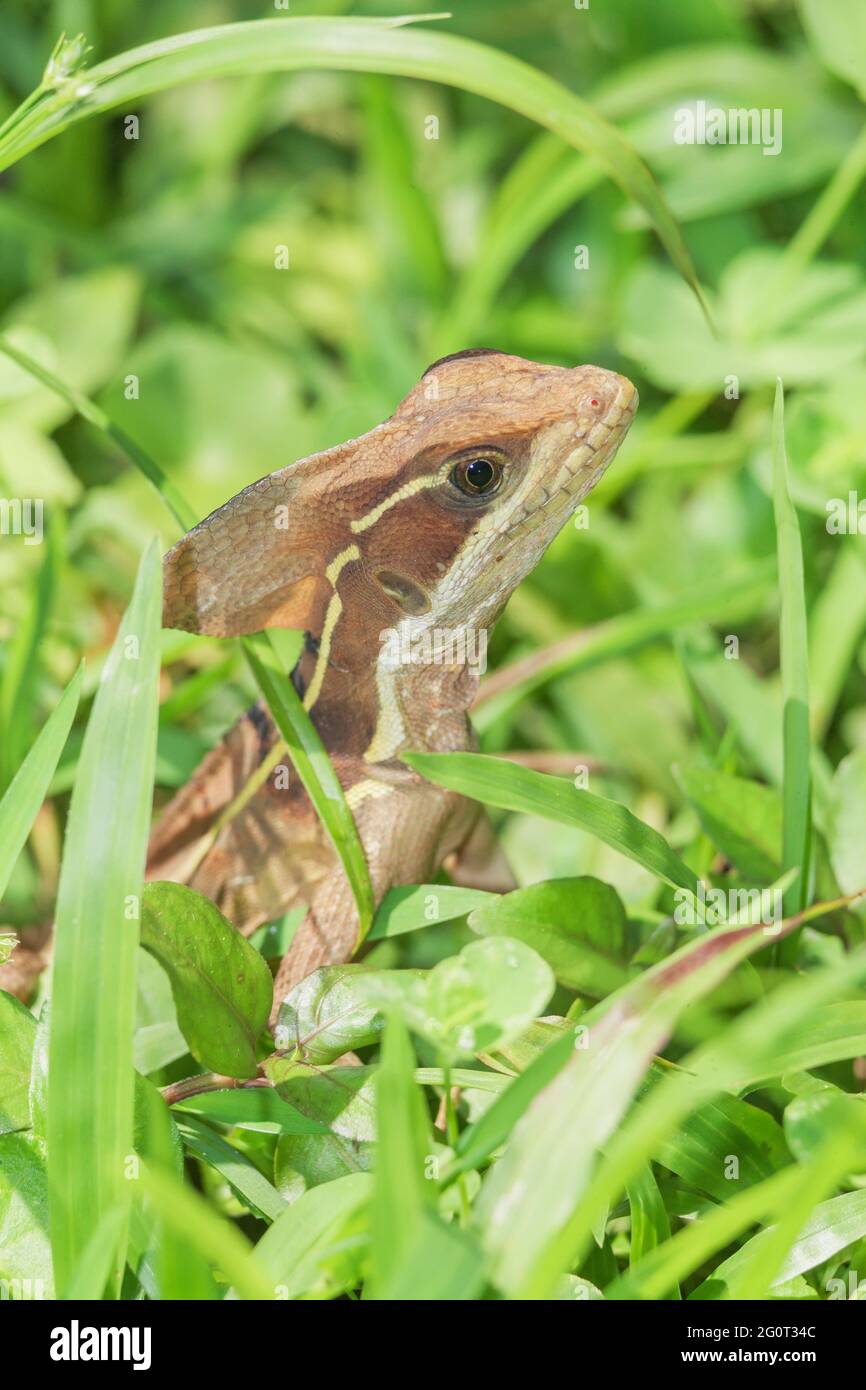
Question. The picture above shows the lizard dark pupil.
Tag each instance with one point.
(477, 477)
(479, 474)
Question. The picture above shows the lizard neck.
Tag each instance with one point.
(375, 707)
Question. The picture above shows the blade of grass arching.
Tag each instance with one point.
(300, 737)
(29, 786)
(545, 181)
(21, 669)
(721, 1065)
(357, 45)
(314, 768)
(89, 411)
(514, 788)
(795, 672)
(90, 1091)
(811, 234)
(509, 685)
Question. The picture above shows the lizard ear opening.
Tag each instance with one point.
(254, 563)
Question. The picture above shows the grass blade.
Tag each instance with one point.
(27, 791)
(402, 1193)
(724, 1064)
(514, 788)
(795, 672)
(21, 668)
(314, 768)
(90, 1092)
(506, 687)
(528, 1196)
(218, 1242)
(359, 45)
(249, 1185)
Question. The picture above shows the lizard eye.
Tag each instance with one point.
(478, 476)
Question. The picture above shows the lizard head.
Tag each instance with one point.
(434, 516)
(504, 450)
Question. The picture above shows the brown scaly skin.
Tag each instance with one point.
(347, 545)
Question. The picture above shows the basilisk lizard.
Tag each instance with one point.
(421, 527)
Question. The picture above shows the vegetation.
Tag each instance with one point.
(638, 1076)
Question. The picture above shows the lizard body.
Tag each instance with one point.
(408, 539)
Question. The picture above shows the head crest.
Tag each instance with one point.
(456, 356)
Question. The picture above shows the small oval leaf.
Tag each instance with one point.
(222, 988)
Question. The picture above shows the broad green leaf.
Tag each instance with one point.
(794, 661)
(742, 818)
(408, 909)
(25, 1252)
(514, 788)
(837, 32)
(222, 987)
(305, 1251)
(469, 1002)
(341, 1102)
(576, 924)
(27, 791)
(78, 325)
(370, 45)
(806, 1119)
(328, 1013)
(17, 1038)
(817, 335)
(96, 936)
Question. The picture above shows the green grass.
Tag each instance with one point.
(659, 1103)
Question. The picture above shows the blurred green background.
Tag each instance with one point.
(143, 271)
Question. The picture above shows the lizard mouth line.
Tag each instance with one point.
(583, 466)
